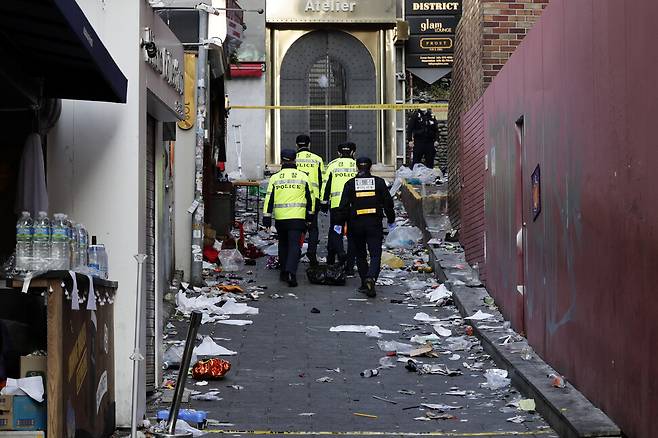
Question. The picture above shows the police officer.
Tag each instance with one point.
(313, 166)
(290, 202)
(339, 171)
(422, 132)
(364, 203)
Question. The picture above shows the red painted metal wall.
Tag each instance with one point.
(471, 159)
(584, 81)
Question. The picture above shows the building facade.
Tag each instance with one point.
(109, 168)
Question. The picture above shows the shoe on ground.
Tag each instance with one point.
(363, 289)
(370, 288)
(283, 276)
(292, 280)
(312, 259)
(349, 273)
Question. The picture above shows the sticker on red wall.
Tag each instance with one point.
(536, 193)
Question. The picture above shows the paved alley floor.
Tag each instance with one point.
(293, 377)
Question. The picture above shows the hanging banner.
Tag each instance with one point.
(189, 109)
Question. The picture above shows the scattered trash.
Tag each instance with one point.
(385, 400)
(496, 379)
(210, 369)
(468, 330)
(479, 316)
(527, 405)
(438, 369)
(392, 261)
(526, 353)
(315, 310)
(458, 343)
(406, 392)
(442, 331)
(455, 357)
(202, 383)
(396, 346)
(387, 362)
(403, 237)
(331, 275)
(456, 393)
(231, 260)
(411, 366)
(440, 407)
(440, 293)
(236, 387)
(370, 330)
(209, 396)
(238, 322)
(358, 414)
(518, 419)
(425, 350)
(425, 339)
(306, 414)
(424, 317)
(370, 373)
(209, 348)
(557, 381)
(324, 380)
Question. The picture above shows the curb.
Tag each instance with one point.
(568, 411)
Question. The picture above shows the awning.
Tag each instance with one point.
(54, 47)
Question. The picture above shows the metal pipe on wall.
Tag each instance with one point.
(198, 218)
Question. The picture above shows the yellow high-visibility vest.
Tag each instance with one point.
(309, 163)
(289, 187)
(341, 170)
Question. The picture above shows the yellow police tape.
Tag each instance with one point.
(441, 107)
(373, 433)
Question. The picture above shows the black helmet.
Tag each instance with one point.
(303, 141)
(346, 149)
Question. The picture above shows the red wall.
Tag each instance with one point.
(472, 186)
(585, 81)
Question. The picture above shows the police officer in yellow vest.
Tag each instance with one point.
(313, 166)
(289, 200)
(364, 203)
(339, 171)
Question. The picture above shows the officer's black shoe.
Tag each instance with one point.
(363, 289)
(312, 259)
(370, 288)
(292, 280)
(349, 273)
(283, 276)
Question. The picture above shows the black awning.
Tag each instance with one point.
(52, 43)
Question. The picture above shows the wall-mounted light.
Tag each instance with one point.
(148, 43)
(216, 11)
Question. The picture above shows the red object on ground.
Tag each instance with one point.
(210, 369)
(210, 254)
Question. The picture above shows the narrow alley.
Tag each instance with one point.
(293, 372)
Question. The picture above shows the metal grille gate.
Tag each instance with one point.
(327, 87)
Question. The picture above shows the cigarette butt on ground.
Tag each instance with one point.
(358, 414)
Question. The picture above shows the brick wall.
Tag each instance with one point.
(488, 34)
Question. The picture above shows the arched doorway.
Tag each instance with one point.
(329, 68)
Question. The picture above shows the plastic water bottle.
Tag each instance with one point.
(103, 262)
(24, 236)
(94, 261)
(75, 246)
(61, 245)
(83, 244)
(41, 243)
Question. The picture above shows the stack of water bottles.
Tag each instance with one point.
(44, 245)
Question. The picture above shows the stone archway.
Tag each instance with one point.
(329, 67)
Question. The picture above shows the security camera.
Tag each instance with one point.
(151, 48)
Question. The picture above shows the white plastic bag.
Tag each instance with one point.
(496, 379)
(403, 237)
(231, 260)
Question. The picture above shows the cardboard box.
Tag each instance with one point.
(23, 434)
(20, 412)
(34, 366)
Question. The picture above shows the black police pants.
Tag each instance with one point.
(290, 237)
(313, 233)
(367, 237)
(424, 150)
(335, 248)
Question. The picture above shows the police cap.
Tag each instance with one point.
(303, 140)
(346, 148)
(288, 155)
(364, 162)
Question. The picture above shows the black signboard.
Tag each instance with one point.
(430, 60)
(433, 8)
(439, 25)
(431, 44)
